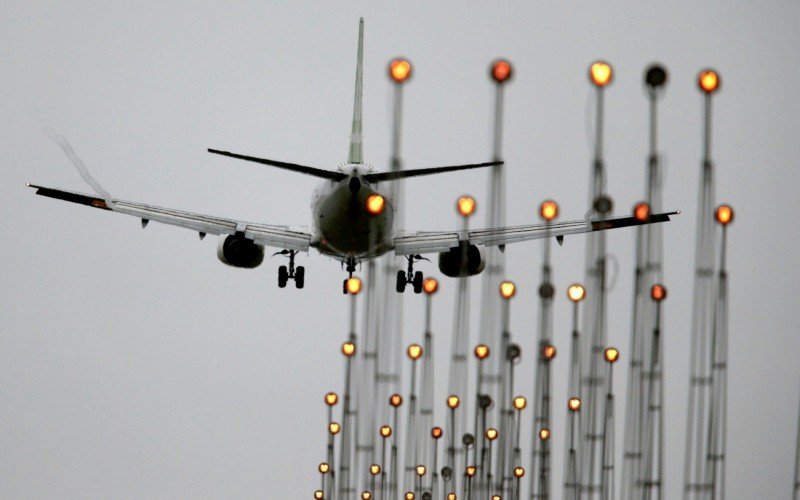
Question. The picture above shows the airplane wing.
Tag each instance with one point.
(441, 241)
(274, 236)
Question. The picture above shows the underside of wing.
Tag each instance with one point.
(282, 237)
(441, 241)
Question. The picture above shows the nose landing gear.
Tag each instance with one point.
(409, 276)
(285, 274)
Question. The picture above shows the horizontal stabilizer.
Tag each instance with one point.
(403, 174)
(316, 172)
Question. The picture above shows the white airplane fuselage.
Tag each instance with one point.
(342, 225)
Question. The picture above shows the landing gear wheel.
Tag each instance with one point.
(344, 287)
(283, 276)
(400, 286)
(417, 282)
(300, 277)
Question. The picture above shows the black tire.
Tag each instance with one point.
(418, 282)
(283, 276)
(400, 286)
(300, 277)
(344, 287)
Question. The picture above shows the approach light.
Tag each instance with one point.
(641, 212)
(549, 352)
(414, 351)
(548, 210)
(386, 431)
(600, 73)
(421, 470)
(334, 428)
(491, 433)
(374, 469)
(436, 432)
(501, 71)
(353, 286)
(453, 401)
(519, 471)
(520, 403)
(366, 495)
(395, 400)
(576, 292)
(324, 467)
(430, 285)
(724, 214)
(544, 433)
(655, 76)
(508, 289)
(470, 471)
(348, 349)
(708, 80)
(319, 495)
(331, 399)
(481, 351)
(409, 495)
(658, 293)
(400, 70)
(451, 496)
(574, 404)
(466, 205)
(375, 204)
(612, 355)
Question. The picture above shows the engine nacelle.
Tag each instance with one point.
(451, 262)
(237, 251)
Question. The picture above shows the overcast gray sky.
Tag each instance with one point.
(134, 364)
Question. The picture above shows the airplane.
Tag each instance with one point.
(352, 217)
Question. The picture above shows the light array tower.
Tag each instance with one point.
(700, 377)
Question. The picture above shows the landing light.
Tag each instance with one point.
(400, 70)
(375, 204)
(600, 73)
(708, 80)
(353, 286)
(641, 212)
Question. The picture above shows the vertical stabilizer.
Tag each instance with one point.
(356, 147)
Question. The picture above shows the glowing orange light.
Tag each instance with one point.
(497, 497)
(375, 204)
(549, 352)
(319, 495)
(324, 467)
(374, 469)
(466, 205)
(421, 470)
(481, 351)
(491, 433)
(414, 351)
(386, 431)
(451, 496)
(548, 210)
(436, 432)
(348, 349)
(574, 404)
(430, 285)
(600, 73)
(708, 80)
(520, 403)
(519, 471)
(395, 400)
(470, 472)
(501, 71)
(409, 495)
(400, 70)
(366, 495)
(724, 214)
(353, 286)
(544, 434)
(331, 399)
(453, 402)
(612, 354)
(334, 428)
(576, 292)
(508, 289)
(658, 293)
(641, 212)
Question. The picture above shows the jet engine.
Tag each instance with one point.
(458, 262)
(237, 251)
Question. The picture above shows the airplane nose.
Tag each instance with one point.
(355, 184)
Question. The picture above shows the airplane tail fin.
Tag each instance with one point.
(356, 147)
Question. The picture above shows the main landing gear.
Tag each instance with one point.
(285, 274)
(406, 277)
